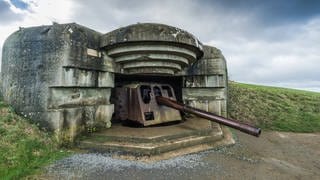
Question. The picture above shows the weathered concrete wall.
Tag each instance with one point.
(206, 85)
(61, 76)
(56, 76)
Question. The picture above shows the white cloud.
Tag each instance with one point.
(39, 13)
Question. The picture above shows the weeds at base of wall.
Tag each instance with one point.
(24, 149)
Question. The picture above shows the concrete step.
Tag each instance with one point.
(149, 148)
(162, 141)
(103, 138)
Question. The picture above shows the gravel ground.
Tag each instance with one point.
(274, 155)
(103, 166)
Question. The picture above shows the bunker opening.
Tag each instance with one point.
(134, 99)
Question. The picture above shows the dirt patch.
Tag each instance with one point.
(275, 155)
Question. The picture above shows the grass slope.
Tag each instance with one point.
(23, 147)
(275, 108)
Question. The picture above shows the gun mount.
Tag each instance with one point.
(136, 102)
(150, 104)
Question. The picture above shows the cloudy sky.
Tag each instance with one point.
(265, 42)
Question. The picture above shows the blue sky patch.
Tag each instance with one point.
(19, 4)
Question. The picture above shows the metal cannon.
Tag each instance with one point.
(151, 103)
(210, 116)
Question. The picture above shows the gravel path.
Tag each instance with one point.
(274, 155)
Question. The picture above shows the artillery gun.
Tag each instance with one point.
(151, 104)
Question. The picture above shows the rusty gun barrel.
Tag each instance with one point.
(210, 116)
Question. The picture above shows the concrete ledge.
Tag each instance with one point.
(164, 142)
(63, 97)
(205, 81)
(227, 140)
(154, 148)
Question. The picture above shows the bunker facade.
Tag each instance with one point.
(64, 76)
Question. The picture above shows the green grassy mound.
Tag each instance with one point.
(275, 108)
(23, 147)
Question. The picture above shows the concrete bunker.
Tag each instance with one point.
(65, 77)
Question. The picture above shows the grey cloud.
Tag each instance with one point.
(264, 41)
(270, 20)
(108, 15)
(268, 42)
(205, 22)
(296, 59)
(272, 12)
